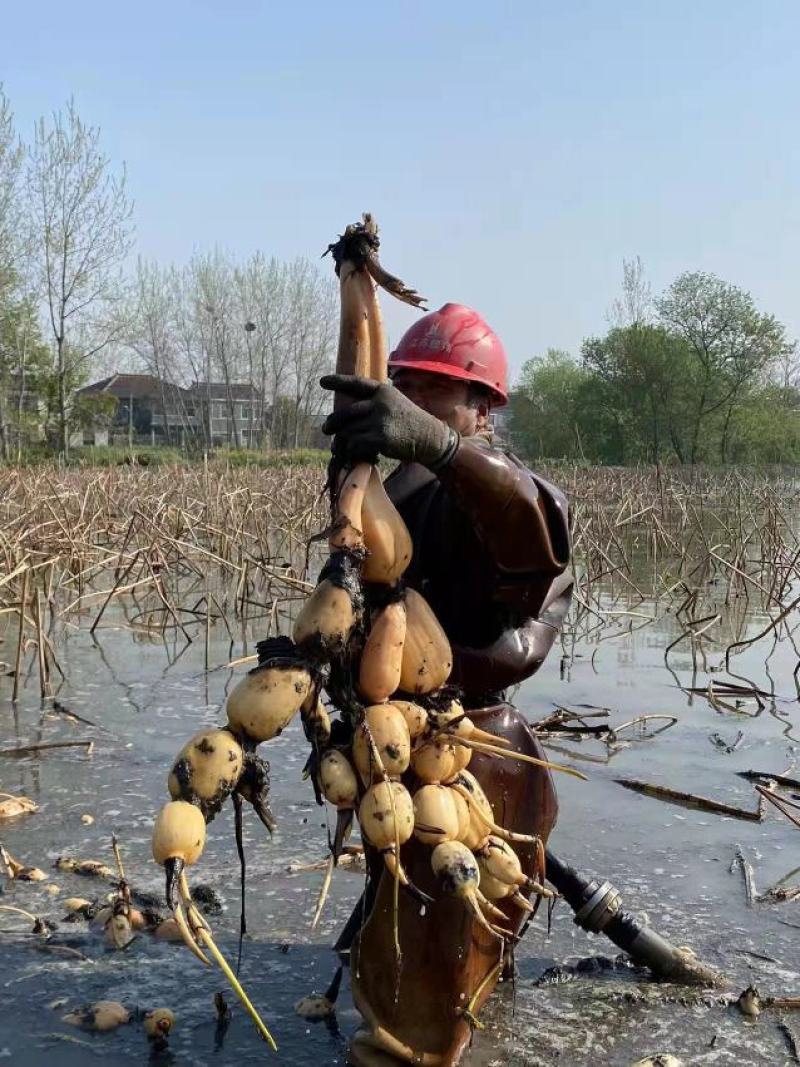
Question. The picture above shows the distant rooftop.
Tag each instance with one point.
(127, 385)
(221, 391)
(123, 386)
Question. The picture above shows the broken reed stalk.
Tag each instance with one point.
(742, 862)
(691, 800)
(762, 777)
(42, 655)
(208, 628)
(119, 581)
(668, 720)
(23, 600)
(780, 803)
(43, 746)
(117, 857)
(792, 1039)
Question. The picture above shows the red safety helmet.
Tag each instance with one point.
(457, 342)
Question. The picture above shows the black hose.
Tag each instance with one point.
(598, 909)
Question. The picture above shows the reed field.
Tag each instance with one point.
(183, 548)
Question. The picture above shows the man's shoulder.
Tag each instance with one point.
(542, 483)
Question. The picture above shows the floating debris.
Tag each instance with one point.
(661, 1059)
(208, 899)
(749, 1002)
(352, 858)
(12, 806)
(43, 746)
(118, 930)
(19, 871)
(159, 1022)
(63, 950)
(224, 1016)
(741, 861)
(87, 868)
(40, 926)
(320, 1005)
(726, 746)
(763, 777)
(76, 908)
(168, 930)
(102, 1016)
(791, 1039)
(781, 803)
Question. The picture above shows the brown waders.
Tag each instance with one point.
(491, 551)
(449, 963)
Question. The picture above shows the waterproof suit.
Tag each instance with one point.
(491, 552)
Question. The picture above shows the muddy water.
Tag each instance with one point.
(672, 863)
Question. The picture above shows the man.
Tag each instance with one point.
(491, 552)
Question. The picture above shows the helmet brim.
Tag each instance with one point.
(446, 371)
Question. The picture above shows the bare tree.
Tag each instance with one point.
(11, 159)
(787, 369)
(635, 306)
(263, 324)
(266, 303)
(152, 333)
(81, 232)
(220, 330)
(311, 334)
(258, 300)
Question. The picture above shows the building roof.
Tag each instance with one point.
(220, 391)
(127, 385)
(123, 386)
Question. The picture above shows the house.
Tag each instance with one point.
(231, 413)
(148, 409)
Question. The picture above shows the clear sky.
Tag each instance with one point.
(513, 153)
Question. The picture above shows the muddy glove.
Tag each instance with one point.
(381, 421)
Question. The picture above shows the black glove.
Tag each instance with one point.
(381, 420)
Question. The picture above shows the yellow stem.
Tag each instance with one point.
(323, 893)
(205, 936)
(118, 857)
(490, 976)
(186, 934)
(487, 738)
(210, 944)
(475, 909)
(19, 911)
(496, 750)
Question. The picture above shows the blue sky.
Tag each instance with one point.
(513, 153)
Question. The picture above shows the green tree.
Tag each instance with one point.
(732, 345)
(765, 428)
(24, 368)
(646, 372)
(544, 407)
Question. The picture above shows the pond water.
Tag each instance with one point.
(670, 862)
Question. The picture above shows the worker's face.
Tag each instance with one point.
(446, 398)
